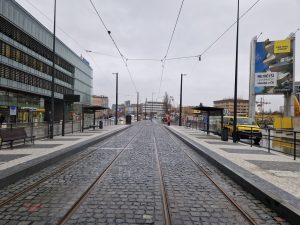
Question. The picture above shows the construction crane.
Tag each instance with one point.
(261, 105)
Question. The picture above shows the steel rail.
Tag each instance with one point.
(166, 208)
(230, 199)
(84, 196)
(65, 166)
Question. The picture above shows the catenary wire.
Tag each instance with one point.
(169, 45)
(115, 44)
(217, 39)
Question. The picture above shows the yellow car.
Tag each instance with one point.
(245, 128)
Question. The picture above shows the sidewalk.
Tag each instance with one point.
(24, 160)
(272, 177)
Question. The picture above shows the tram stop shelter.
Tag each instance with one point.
(91, 110)
(211, 111)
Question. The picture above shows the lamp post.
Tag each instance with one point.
(180, 106)
(234, 136)
(137, 106)
(51, 116)
(145, 109)
(151, 114)
(116, 113)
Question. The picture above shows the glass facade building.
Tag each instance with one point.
(26, 68)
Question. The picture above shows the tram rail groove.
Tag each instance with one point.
(284, 209)
(23, 170)
(227, 196)
(166, 208)
(84, 196)
(55, 172)
(242, 211)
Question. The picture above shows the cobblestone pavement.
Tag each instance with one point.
(129, 192)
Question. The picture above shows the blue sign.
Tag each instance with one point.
(13, 110)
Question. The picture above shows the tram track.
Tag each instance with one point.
(52, 174)
(165, 202)
(72, 210)
(215, 183)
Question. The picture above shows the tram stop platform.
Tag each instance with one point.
(274, 178)
(26, 159)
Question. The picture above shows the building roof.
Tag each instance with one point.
(211, 110)
(90, 109)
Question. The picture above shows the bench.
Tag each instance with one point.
(12, 134)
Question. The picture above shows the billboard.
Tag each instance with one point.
(274, 63)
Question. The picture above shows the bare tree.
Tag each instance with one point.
(166, 103)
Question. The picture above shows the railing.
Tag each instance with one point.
(280, 140)
(277, 140)
(41, 129)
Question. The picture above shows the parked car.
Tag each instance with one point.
(245, 128)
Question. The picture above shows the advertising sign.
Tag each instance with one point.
(274, 63)
(282, 46)
(266, 79)
(13, 110)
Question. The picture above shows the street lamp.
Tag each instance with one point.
(180, 107)
(234, 136)
(151, 114)
(51, 116)
(116, 113)
(137, 106)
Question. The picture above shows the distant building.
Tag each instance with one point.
(228, 104)
(100, 100)
(155, 108)
(297, 89)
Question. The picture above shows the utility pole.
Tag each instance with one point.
(51, 116)
(137, 106)
(116, 113)
(180, 106)
(146, 109)
(151, 114)
(234, 137)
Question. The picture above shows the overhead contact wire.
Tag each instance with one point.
(217, 39)
(169, 46)
(115, 44)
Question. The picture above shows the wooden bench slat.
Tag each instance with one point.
(10, 135)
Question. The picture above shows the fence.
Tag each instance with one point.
(41, 129)
(278, 140)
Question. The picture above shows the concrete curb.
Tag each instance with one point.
(16, 173)
(283, 208)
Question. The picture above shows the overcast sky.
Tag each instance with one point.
(142, 29)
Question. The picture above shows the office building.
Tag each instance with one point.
(154, 108)
(26, 52)
(100, 100)
(228, 104)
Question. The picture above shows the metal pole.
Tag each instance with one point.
(269, 144)
(146, 109)
(63, 120)
(180, 106)
(53, 74)
(236, 76)
(151, 114)
(116, 113)
(137, 106)
(295, 144)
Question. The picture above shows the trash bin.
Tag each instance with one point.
(100, 124)
(128, 119)
(224, 134)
